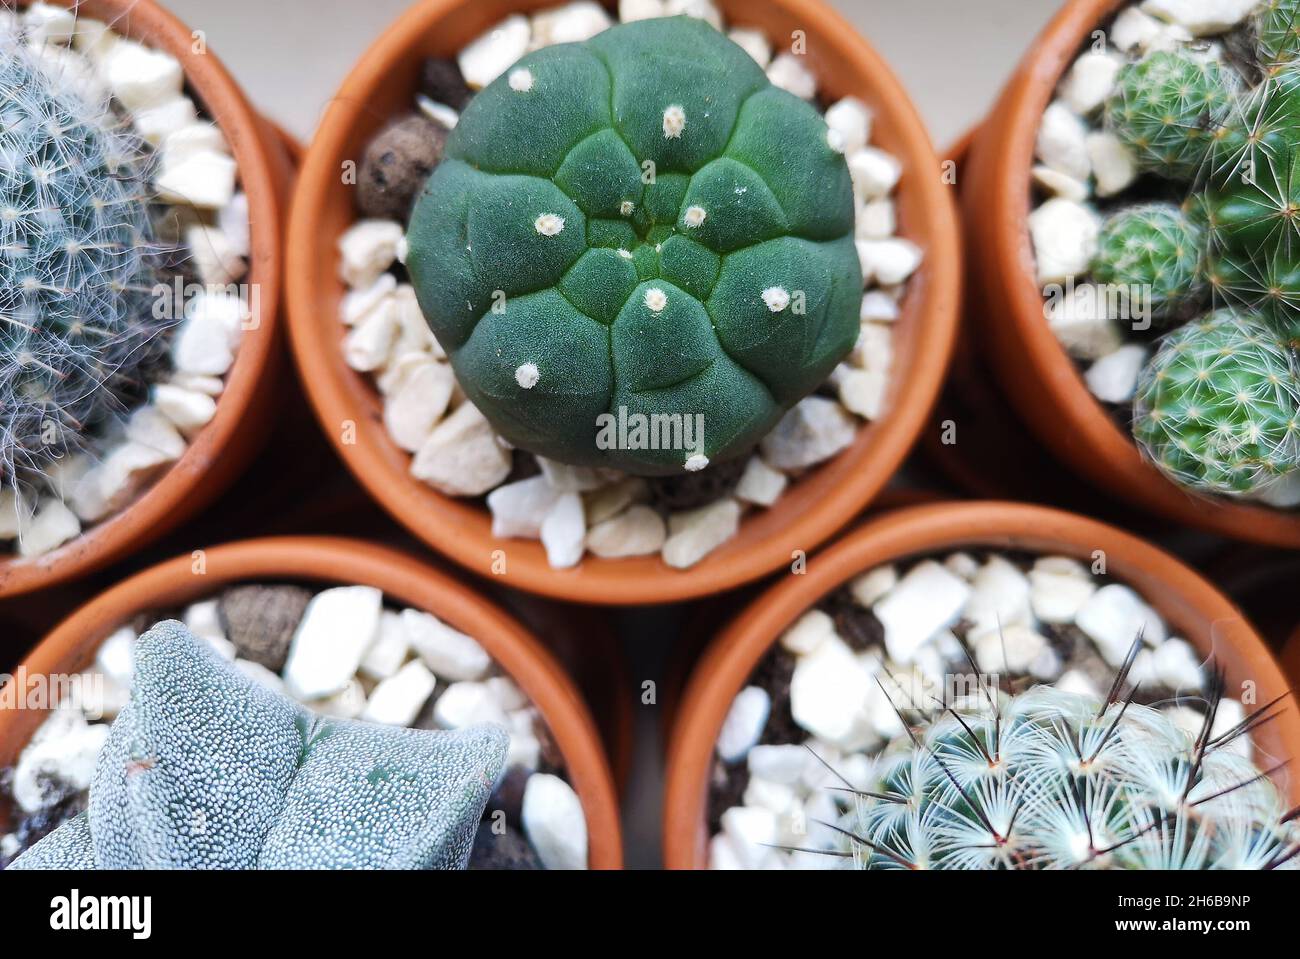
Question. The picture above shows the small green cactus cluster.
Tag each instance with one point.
(206, 769)
(1048, 779)
(78, 263)
(1217, 407)
(640, 222)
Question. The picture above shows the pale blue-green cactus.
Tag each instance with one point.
(205, 769)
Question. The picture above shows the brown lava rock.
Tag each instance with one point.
(396, 164)
(727, 786)
(774, 674)
(505, 850)
(261, 620)
(442, 82)
(857, 625)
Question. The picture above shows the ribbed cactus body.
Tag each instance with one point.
(1152, 253)
(1218, 406)
(642, 222)
(76, 266)
(1165, 108)
(1052, 780)
(1277, 27)
(206, 769)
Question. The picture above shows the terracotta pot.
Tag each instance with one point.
(381, 86)
(221, 450)
(1041, 380)
(1291, 660)
(72, 645)
(1192, 607)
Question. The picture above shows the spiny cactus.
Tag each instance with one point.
(1157, 250)
(640, 222)
(77, 266)
(1049, 779)
(1165, 108)
(206, 769)
(1218, 406)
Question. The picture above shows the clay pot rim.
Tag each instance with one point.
(404, 579)
(913, 533)
(164, 503)
(1084, 433)
(810, 512)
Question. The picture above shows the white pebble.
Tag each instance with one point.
(468, 704)
(830, 692)
(564, 531)
(1065, 236)
(1059, 586)
(518, 508)
(1113, 378)
(157, 123)
(754, 43)
(778, 764)
(1079, 319)
(1113, 165)
(1060, 184)
(1177, 665)
(888, 262)
(876, 220)
(389, 650)
(554, 823)
(49, 23)
(201, 179)
(878, 307)
(850, 118)
(188, 409)
(53, 525)
(813, 431)
(362, 302)
(115, 657)
(875, 173)
(490, 55)
(1011, 650)
(65, 749)
(367, 345)
(367, 249)
(448, 652)
(808, 632)
(744, 723)
(638, 531)
(1062, 141)
(630, 10)
(760, 484)
(413, 409)
(1202, 17)
(1091, 80)
(336, 629)
(570, 479)
(872, 585)
(397, 700)
(571, 23)
(694, 534)
(863, 391)
(141, 76)
(348, 703)
(1114, 616)
(999, 596)
(788, 72)
(923, 602)
(462, 457)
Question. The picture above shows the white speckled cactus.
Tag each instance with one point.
(205, 769)
(1049, 779)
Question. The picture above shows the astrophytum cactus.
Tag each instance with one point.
(77, 265)
(640, 225)
(1048, 779)
(206, 769)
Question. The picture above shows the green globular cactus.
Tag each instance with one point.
(1153, 255)
(77, 266)
(639, 223)
(1218, 406)
(1054, 780)
(206, 769)
(1166, 107)
(1277, 27)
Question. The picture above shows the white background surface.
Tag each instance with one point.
(291, 55)
(952, 55)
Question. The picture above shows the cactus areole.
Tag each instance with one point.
(640, 228)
